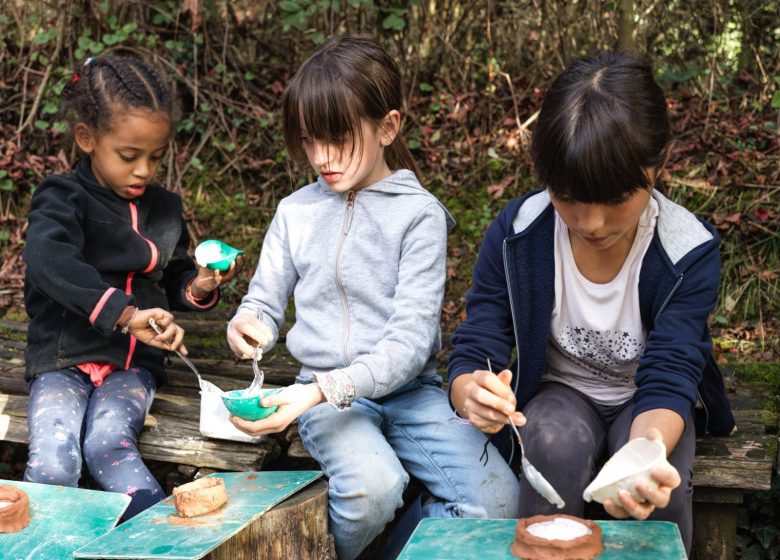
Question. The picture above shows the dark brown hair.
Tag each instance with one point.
(345, 80)
(603, 123)
(107, 84)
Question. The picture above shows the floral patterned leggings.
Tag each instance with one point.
(68, 416)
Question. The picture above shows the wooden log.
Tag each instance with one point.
(296, 528)
(715, 523)
(178, 440)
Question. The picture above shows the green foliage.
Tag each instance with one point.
(758, 536)
(776, 97)
(467, 92)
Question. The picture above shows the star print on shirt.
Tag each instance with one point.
(602, 353)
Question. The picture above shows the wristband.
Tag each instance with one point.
(192, 297)
(126, 325)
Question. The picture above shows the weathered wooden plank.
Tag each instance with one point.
(199, 451)
(227, 375)
(166, 437)
(12, 381)
(13, 428)
(193, 323)
(733, 472)
(185, 447)
(11, 344)
(13, 405)
(15, 326)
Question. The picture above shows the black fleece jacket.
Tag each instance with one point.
(89, 254)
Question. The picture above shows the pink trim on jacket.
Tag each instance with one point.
(99, 307)
(152, 246)
(130, 275)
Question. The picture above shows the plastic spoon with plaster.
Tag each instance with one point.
(532, 475)
(257, 355)
(185, 359)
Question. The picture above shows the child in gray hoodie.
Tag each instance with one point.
(362, 251)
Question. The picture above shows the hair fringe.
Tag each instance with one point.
(345, 80)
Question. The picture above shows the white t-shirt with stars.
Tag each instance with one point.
(596, 334)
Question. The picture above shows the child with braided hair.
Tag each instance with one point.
(106, 252)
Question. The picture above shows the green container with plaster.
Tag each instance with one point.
(216, 255)
(248, 407)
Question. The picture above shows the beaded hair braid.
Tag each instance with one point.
(110, 84)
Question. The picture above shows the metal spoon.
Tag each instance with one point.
(185, 359)
(532, 475)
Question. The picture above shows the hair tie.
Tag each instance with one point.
(90, 59)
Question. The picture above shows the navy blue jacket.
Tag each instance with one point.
(89, 254)
(511, 303)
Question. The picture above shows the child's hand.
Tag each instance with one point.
(170, 339)
(292, 401)
(209, 280)
(486, 399)
(244, 332)
(667, 478)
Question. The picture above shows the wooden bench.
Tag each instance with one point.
(724, 468)
(171, 435)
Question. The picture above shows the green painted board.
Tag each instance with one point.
(63, 519)
(150, 535)
(477, 539)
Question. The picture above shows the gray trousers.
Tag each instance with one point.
(568, 437)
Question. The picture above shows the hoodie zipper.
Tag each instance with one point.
(668, 297)
(698, 394)
(342, 293)
(131, 275)
(516, 379)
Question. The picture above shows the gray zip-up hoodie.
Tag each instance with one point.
(366, 271)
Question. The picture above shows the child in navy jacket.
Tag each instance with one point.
(602, 286)
(106, 252)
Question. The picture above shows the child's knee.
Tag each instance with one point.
(495, 496)
(105, 448)
(376, 493)
(60, 465)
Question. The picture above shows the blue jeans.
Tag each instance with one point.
(369, 451)
(68, 416)
(568, 436)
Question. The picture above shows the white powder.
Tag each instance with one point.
(208, 253)
(560, 528)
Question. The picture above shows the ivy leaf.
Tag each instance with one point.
(290, 6)
(776, 100)
(393, 22)
(766, 535)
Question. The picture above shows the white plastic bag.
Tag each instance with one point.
(214, 416)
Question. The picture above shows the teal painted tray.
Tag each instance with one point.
(150, 535)
(63, 519)
(477, 539)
